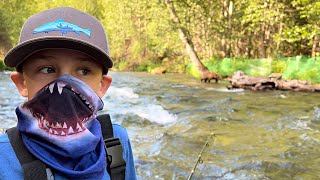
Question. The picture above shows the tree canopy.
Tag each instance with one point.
(141, 32)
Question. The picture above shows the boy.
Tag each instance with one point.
(61, 62)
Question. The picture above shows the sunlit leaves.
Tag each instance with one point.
(141, 30)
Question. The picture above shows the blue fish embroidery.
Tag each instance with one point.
(63, 27)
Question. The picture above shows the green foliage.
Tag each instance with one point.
(253, 67)
(259, 67)
(292, 68)
(146, 66)
(304, 69)
(122, 65)
(192, 70)
(2, 66)
(230, 65)
(139, 31)
(279, 65)
(212, 64)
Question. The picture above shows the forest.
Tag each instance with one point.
(257, 37)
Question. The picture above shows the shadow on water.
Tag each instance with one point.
(261, 135)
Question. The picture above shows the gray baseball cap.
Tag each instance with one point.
(62, 27)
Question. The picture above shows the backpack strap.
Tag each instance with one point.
(116, 165)
(32, 167)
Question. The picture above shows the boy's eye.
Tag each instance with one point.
(47, 70)
(84, 71)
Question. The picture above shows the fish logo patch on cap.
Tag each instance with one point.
(63, 27)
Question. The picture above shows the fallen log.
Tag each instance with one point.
(240, 80)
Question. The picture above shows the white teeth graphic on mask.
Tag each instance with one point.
(70, 131)
(60, 128)
(60, 87)
(58, 125)
(79, 127)
(45, 122)
(51, 87)
(64, 125)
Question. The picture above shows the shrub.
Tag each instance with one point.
(299, 67)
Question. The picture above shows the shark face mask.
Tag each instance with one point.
(59, 127)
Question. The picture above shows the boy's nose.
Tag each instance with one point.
(66, 73)
(66, 70)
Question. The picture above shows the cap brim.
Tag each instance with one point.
(19, 53)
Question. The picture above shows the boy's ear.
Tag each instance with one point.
(104, 85)
(19, 81)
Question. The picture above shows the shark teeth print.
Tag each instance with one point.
(51, 86)
(79, 128)
(61, 129)
(61, 85)
(70, 130)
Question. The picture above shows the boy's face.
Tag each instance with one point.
(46, 66)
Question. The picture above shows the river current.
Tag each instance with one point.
(169, 118)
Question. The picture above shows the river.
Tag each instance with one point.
(257, 135)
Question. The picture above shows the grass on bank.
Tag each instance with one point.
(299, 67)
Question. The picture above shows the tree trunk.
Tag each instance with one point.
(226, 40)
(185, 39)
(315, 45)
(249, 45)
(229, 14)
(280, 39)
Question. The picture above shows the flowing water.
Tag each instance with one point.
(256, 135)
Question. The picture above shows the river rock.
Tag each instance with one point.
(158, 71)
